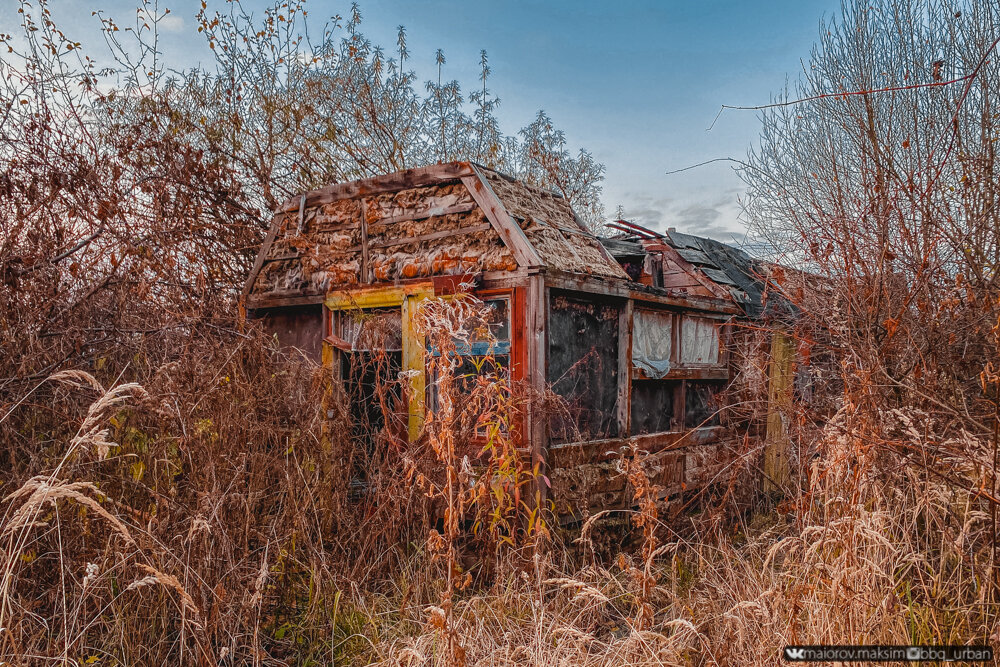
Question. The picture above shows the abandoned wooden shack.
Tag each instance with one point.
(630, 332)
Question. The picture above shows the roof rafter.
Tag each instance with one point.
(511, 233)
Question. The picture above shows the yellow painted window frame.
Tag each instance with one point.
(407, 299)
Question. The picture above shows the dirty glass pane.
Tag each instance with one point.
(652, 406)
(372, 329)
(499, 318)
(583, 368)
(701, 405)
(498, 324)
(481, 356)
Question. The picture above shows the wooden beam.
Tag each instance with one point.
(536, 316)
(365, 262)
(276, 221)
(572, 454)
(272, 300)
(511, 233)
(624, 369)
(377, 296)
(414, 346)
(401, 180)
(302, 214)
(714, 373)
(502, 279)
(626, 289)
(777, 468)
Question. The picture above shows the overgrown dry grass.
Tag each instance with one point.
(154, 539)
(876, 557)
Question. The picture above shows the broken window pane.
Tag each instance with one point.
(371, 342)
(372, 329)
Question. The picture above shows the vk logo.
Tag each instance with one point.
(794, 653)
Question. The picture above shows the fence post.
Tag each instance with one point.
(777, 470)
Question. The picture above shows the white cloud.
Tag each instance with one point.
(168, 21)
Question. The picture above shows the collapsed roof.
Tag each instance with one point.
(449, 219)
(683, 258)
(462, 219)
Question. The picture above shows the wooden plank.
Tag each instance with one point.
(377, 296)
(413, 360)
(429, 213)
(445, 233)
(578, 453)
(401, 180)
(714, 373)
(624, 367)
(279, 300)
(725, 344)
(619, 287)
(302, 214)
(276, 220)
(503, 279)
(512, 234)
(777, 469)
(365, 263)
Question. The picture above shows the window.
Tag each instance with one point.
(677, 369)
(652, 406)
(583, 367)
(371, 356)
(487, 351)
(701, 404)
(370, 329)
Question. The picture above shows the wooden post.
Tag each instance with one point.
(413, 360)
(625, 369)
(777, 470)
(676, 354)
(537, 315)
(365, 268)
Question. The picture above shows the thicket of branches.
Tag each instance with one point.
(179, 480)
(877, 175)
(884, 184)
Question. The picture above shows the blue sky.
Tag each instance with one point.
(636, 82)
